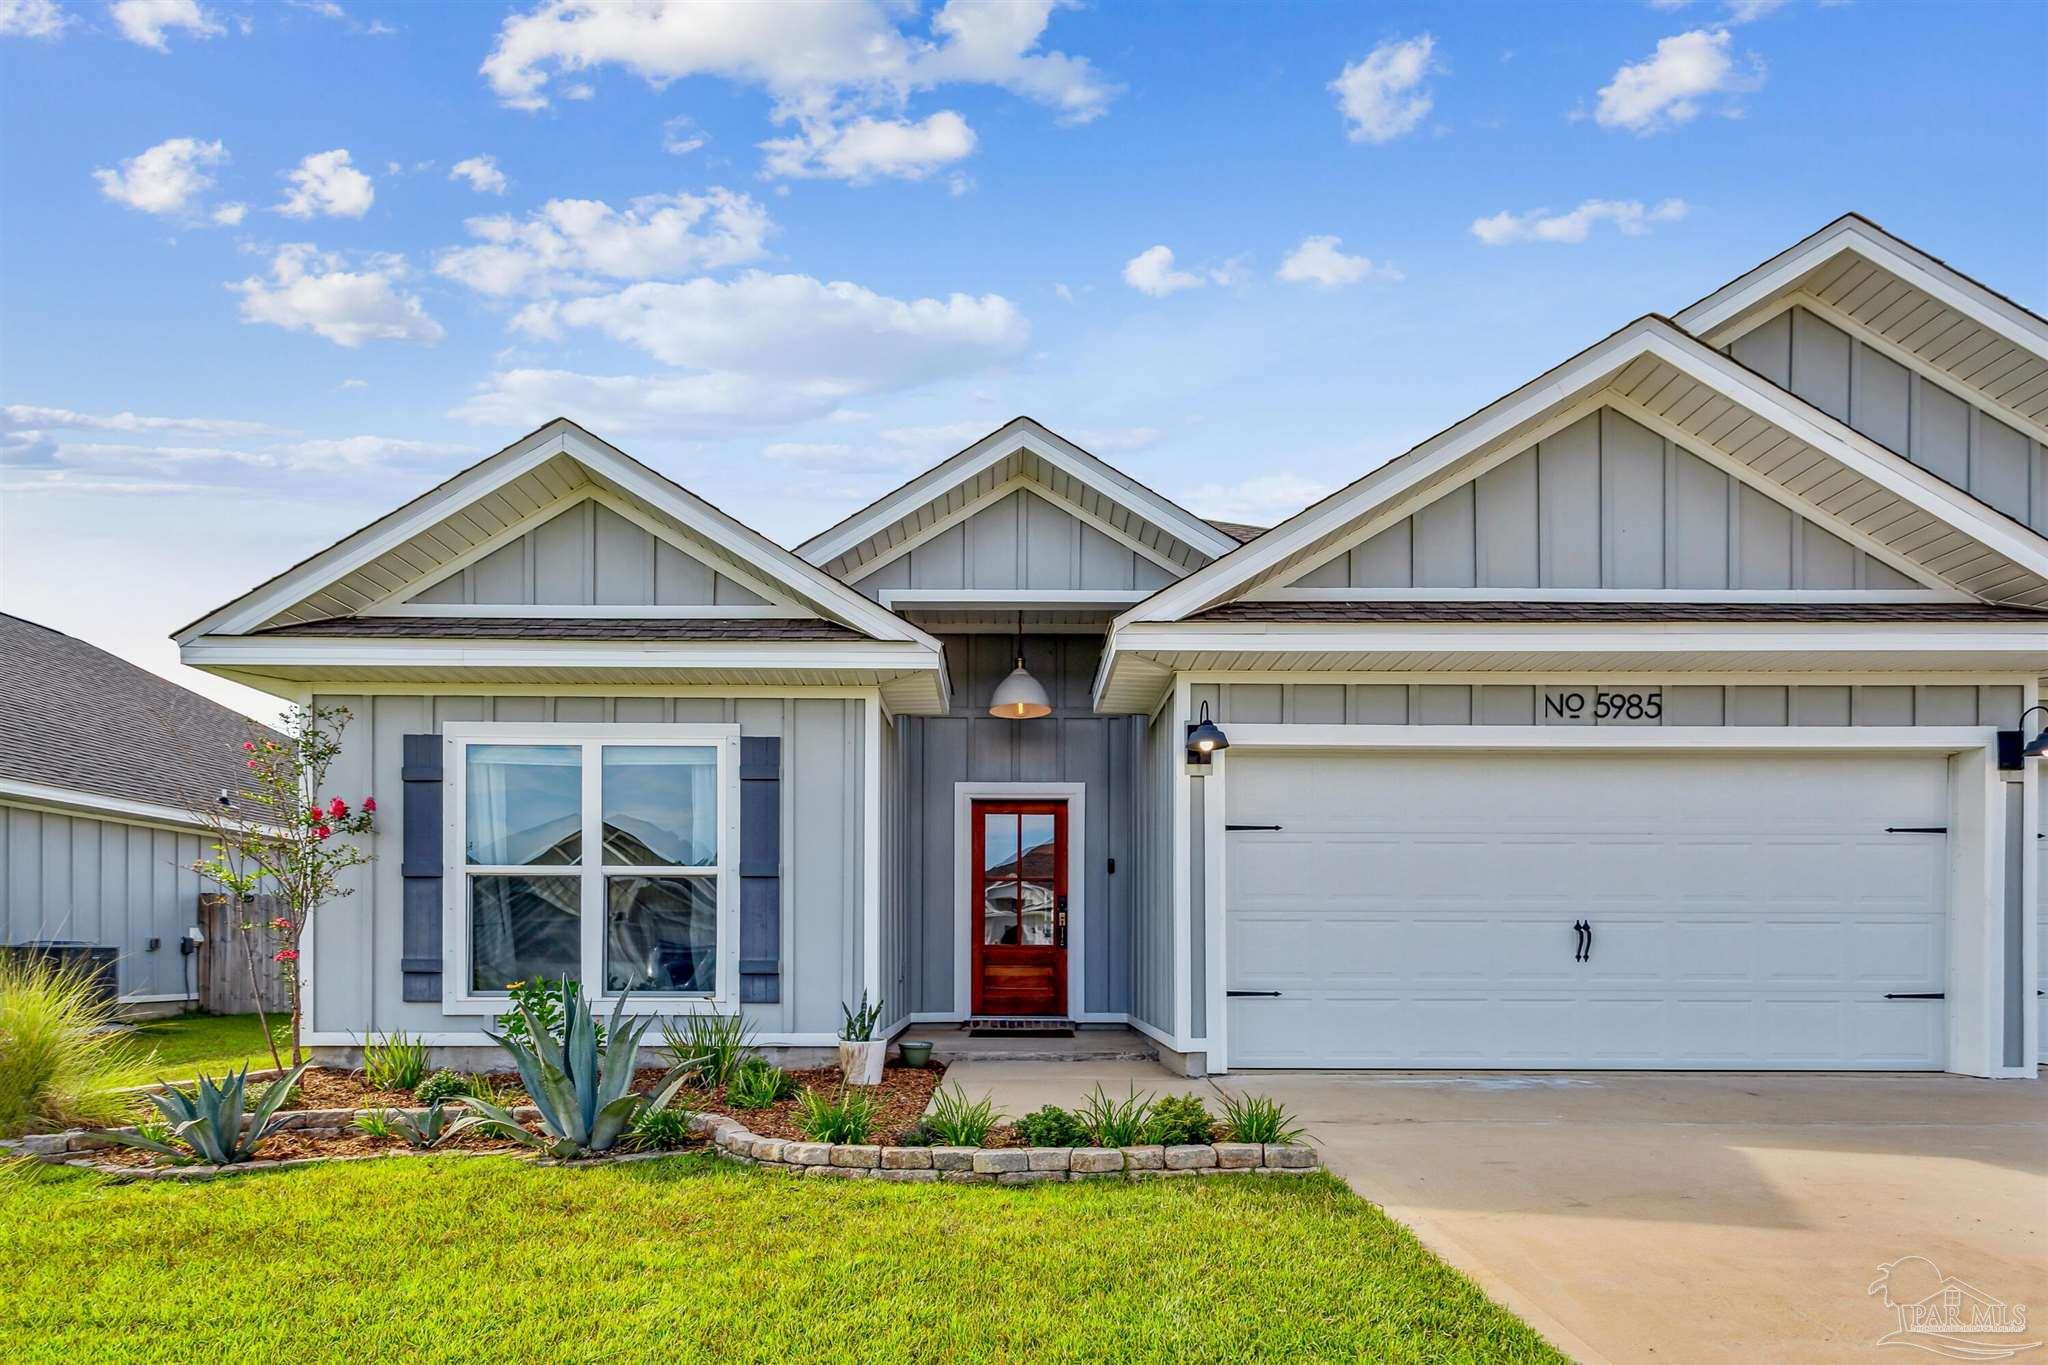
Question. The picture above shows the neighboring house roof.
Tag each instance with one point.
(76, 719)
(570, 628)
(1022, 450)
(1237, 530)
(1586, 611)
(1914, 307)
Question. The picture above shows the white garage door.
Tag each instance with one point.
(1745, 911)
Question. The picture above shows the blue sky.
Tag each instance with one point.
(267, 271)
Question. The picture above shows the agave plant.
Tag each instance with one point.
(208, 1118)
(430, 1127)
(581, 1086)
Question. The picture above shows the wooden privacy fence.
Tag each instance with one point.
(223, 967)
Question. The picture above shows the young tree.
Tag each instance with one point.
(290, 838)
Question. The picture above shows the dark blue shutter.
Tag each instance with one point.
(421, 868)
(760, 871)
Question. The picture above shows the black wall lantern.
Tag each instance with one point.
(2013, 752)
(1205, 738)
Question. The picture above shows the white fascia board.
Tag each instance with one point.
(1731, 303)
(520, 611)
(97, 806)
(997, 446)
(783, 655)
(1297, 594)
(1009, 599)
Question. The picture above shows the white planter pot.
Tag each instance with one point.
(861, 1063)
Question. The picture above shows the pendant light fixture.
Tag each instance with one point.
(1020, 696)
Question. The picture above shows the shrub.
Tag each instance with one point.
(374, 1123)
(583, 1090)
(1180, 1119)
(482, 1087)
(442, 1085)
(289, 1100)
(953, 1122)
(758, 1084)
(920, 1135)
(1116, 1123)
(655, 1129)
(431, 1128)
(208, 1120)
(549, 1002)
(712, 1047)
(850, 1118)
(57, 1062)
(1052, 1126)
(1256, 1118)
(395, 1062)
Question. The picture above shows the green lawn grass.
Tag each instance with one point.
(689, 1258)
(181, 1047)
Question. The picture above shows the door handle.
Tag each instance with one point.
(1237, 995)
(1059, 923)
(1589, 942)
(1582, 942)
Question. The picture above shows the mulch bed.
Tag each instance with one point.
(903, 1094)
(289, 1145)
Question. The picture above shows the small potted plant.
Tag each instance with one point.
(861, 1054)
(916, 1054)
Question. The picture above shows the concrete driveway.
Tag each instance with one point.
(1676, 1217)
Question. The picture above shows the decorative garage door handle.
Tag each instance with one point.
(1237, 994)
(1584, 952)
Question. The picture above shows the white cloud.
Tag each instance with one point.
(1383, 96)
(1749, 11)
(808, 54)
(347, 385)
(1319, 261)
(146, 21)
(1665, 88)
(313, 291)
(836, 336)
(864, 149)
(680, 136)
(1540, 225)
(325, 183)
(365, 452)
(111, 452)
(482, 173)
(1115, 440)
(1152, 272)
(29, 417)
(32, 19)
(570, 243)
(1262, 500)
(230, 215)
(697, 404)
(166, 178)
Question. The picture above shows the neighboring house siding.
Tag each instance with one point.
(588, 555)
(357, 940)
(106, 883)
(1898, 408)
(1684, 704)
(1021, 541)
(1604, 503)
(1071, 745)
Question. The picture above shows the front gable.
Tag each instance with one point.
(1017, 538)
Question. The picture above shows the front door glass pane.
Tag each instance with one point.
(1036, 907)
(525, 803)
(999, 844)
(999, 913)
(1036, 846)
(660, 806)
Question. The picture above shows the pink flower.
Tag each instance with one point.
(248, 746)
(337, 809)
(281, 924)
(285, 955)
(252, 763)
(315, 814)
(321, 831)
(369, 805)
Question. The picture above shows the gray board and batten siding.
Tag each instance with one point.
(1019, 541)
(359, 941)
(1605, 503)
(1901, 410)
(587, 555)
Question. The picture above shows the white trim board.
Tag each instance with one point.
(83, 805)
(965, 794)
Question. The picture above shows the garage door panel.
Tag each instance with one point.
(1747, 910)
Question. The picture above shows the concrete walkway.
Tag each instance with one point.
(1658, 1216)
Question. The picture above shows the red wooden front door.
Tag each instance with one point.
(1018, 917)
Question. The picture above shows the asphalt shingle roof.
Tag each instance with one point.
(1237, 530)
(1493, 613)
(77, 717)
(684, 628)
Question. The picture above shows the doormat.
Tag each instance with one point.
(1018, 1028)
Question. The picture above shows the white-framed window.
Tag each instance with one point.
(606, 853)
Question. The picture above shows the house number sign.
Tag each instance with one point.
(1595, 705)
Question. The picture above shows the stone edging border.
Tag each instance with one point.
(727, 1137)
(997, 1165)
